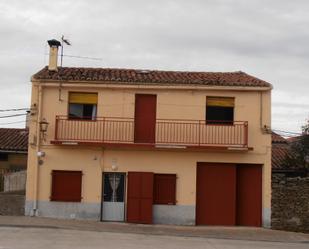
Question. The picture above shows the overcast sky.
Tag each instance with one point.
(266, 38)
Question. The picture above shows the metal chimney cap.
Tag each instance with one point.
(54, 43)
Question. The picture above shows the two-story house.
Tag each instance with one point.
(148, 146)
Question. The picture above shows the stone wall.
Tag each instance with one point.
(290, 203)
(12, 203)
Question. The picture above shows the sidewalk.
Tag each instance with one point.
(234, 233)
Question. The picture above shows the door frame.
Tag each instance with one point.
(124, 194)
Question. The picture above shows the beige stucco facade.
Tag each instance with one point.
(173, 102)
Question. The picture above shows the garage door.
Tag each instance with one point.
(216, 194)
(249, 195)
(140, 197)
(229, 194)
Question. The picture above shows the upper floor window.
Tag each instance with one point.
(220, 110)
(83, 105)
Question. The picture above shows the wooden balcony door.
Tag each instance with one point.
(145, 118)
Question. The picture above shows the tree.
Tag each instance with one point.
(298, 156)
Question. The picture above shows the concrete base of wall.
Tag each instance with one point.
(174, 214)
(66, 210)
(162, 214)
(266, 218)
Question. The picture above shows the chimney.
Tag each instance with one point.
(53, 54)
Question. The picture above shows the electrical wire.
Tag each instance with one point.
(287, 132)
(14, 115)
(15, 110)
(81, 57)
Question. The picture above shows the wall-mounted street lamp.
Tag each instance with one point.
(43, 127)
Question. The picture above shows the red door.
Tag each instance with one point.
(249, 195)
(140, 197)
(216, 194)
(145, 118)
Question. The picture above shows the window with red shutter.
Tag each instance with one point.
(164, 189)
(66, 186)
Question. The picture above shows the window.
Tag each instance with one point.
(66, 186)
(83, 105)
(219, 110)
(4, 157)
(114, 187)
(164, 189)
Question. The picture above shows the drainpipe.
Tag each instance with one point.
(37, 166)
(264, 128)
(261, 110)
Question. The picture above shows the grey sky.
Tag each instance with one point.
(266, 38)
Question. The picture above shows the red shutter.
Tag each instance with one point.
(165, 189)
(66, 186)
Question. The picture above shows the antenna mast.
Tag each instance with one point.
(66, 41)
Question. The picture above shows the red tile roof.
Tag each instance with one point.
(279, 152)
(294, 139)
(134, 76)
(13, 139)
(276, 138)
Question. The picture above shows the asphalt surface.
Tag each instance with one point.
(38, 238)
(27, 232)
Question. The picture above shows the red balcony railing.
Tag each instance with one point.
(167, 132)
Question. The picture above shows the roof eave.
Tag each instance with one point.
(124, 84)
(14, 151)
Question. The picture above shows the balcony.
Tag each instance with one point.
(108, 131)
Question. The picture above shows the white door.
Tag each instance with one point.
(113, 196)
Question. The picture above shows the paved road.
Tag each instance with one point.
(206, 232)
(50, 238)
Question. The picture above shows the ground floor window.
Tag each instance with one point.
(66, 186)
(164, 189)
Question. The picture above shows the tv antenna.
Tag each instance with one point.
(66, 41)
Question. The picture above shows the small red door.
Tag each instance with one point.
(216, 194)
(145, 118)
(249, 195)
(140, 197)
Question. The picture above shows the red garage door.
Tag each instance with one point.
(249, 195)
(227, 194)
(140, 197)
(216, 194)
